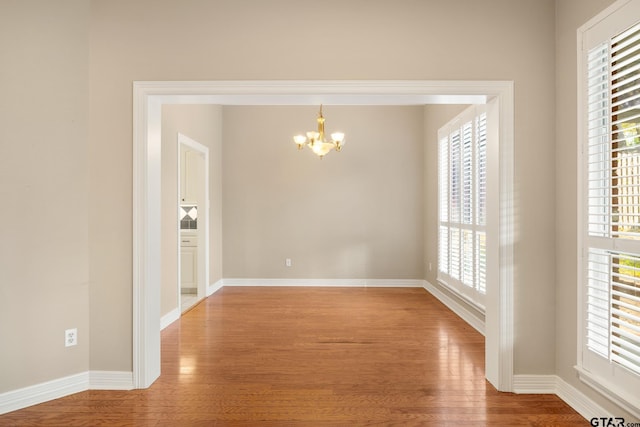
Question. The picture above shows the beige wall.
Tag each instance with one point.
(194, 40)
(202, 123)
(46, 64)
(44, 249)
(352, 215)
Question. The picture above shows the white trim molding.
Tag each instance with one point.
(147, 119)
(212, 288)
(175, 314)
(535, 384)
(366, 283)
(474, 321)
(553, 384)
(580, 401)
(148, 98)
(169, 318)
(611, 391)
(499, 311)
(65, 386)
(110, 380)
(43, 392)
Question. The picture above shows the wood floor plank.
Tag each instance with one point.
(282, 356)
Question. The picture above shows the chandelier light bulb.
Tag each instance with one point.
(337, 137)
(300, 140)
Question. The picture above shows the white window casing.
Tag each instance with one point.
(609, 204)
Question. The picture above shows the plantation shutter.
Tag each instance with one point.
(443, 203)
(454, 205)
(611, 253)
(481, 203)
(462, 178)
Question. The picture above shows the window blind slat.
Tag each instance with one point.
(625, 314)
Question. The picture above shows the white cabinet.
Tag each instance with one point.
(190, 175)
(188, 264)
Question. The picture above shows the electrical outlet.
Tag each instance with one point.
(429, 266)
(71, 337)
(287, 262)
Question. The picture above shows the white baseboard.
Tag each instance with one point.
(580, 401)
(110, 380)
(214, 287)
(453, 305)
(175, 314)
(169, 318)
(65, 386)
(553, 384)
(624, 399)
(379, 283)
(43, 392)
(535, 384)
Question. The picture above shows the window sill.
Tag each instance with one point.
(610, 391)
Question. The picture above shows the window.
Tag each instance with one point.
(610, 242)
(462, 170)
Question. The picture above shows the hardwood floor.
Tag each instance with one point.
(312, 357)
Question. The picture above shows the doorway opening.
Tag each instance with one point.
(148, 98)
(193, 221)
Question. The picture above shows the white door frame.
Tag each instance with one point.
(203, 218)
(148, 98)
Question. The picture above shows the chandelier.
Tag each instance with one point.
(316, 140)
